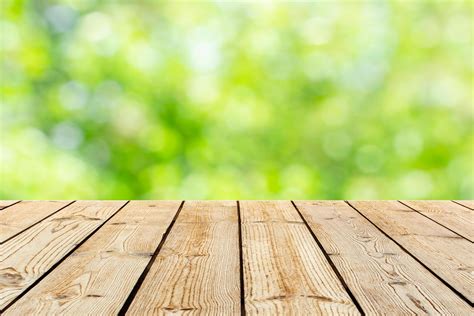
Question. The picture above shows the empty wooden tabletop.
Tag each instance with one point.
(236, 257)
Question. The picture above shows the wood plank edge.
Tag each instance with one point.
(141, 279)
(414, 257)
(241, 263)
(36, 223)
(329, 260)
(7, 206)
(54, 266)
(433, 220)
(459, 203)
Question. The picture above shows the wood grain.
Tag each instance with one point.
(285, 272)
(100, 258)
(374, 267)
(197, 270)
(7, 203)
(445, 253)
(26, 257)
(98, 277)
(20, 216)
(454, 216)
(467, 203)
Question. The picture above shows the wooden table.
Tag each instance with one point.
(236, 257)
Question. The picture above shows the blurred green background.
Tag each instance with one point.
(236, 100)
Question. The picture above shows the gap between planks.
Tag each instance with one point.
(328, 258)
(17, 292)
(124, 243)
(466, 203)
(243, 312)
(451, 216)
(123, 310)
(14, 225)
(197, 269)
(241, 260)
(375, 268)
(285, 271)
(418, 244)
(7, 203)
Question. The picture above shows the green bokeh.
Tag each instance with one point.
(223, 100)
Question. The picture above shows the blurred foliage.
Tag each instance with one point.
(227, 100)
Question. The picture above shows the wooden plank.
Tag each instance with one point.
(7, 203)
(455, 217)
(285, 272)
(197, 270)
(97, 278)
(19, 217)
(380, 274)
(445, 253)
(467, 203)
(26, 257)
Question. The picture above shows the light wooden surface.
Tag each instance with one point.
(99, 275)
(232, 258)
(375, 268)
(18, 217)
(7, 203)
(197, 270)
(285, 272)
(29, 255)
(466, 203)
(448, 255)
(455, 217)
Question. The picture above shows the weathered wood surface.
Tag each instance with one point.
(197, 270)
(230, 258)
(375, 268)
(18, 217)
(7, 203)
(445, 253)
(26, 257)
(285, 272)
(99, 275)
(466, 203)
(451, 215)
